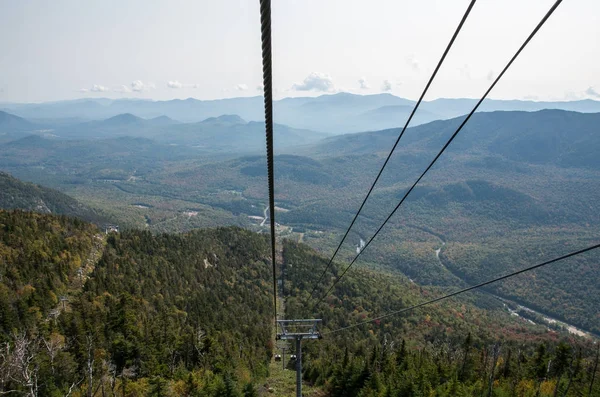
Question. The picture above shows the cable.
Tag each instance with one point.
(265, 30)
(460, 25)
(593, 247)
(537, 28)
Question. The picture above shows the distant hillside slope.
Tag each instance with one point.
(13, 127)
(230, 133)
(567, 139)
(15, 194)
(11, 122)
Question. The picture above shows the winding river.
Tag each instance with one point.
(520, 308)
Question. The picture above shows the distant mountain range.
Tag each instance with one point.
(225, 133)
(337, 113)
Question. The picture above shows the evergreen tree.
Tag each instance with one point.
(401, 355)
(467, 364)
(539, 363)
(250, 390)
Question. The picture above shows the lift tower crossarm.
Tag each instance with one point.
(298, 330)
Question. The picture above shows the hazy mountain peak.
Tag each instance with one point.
(226, 118)
(164, 120)
(124, 118)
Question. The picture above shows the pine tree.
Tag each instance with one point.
(467, 365)
(401, 355)
(539, 363)
(250, 390)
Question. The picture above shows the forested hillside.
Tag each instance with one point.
(158, 315)
(40, 256)
(13, 127)
(447, 349)
(15, 194)
(190, 314)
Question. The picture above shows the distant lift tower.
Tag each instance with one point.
(298, 330)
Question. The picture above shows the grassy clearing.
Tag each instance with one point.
(283, 382)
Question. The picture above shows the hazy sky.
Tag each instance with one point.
(65, 49)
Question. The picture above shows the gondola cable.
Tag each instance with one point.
(465, 120)
(265, 30)
(440, 62)
(593, 247)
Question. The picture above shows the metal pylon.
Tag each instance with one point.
(298, 330)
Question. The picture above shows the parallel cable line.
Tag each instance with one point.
(437, 68)
(265, 30)
(533, 33)
(527, 269)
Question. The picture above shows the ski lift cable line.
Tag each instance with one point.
(267, 65)
(462, 291)
(440, 62)
(465, 120)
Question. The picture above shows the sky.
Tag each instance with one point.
(68, 49)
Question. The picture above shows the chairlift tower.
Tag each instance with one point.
(298, 330)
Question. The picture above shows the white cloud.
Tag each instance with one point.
(531, 97)
(413, 63)
(315, 82)
(364, 85)
(139, 86)
(260, 87)
(122, 88)
(386, 85)
(591, 91)
(95, 88)
(98, 88)
(174, 84)
(490, 75)
(241, 87)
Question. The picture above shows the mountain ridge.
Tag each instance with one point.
(222, 134)
(15, 194)
(334, 113)
(514, 136)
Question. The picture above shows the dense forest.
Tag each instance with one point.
(449, 349)
(40, 257)
(158, 315)
(136, 314)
